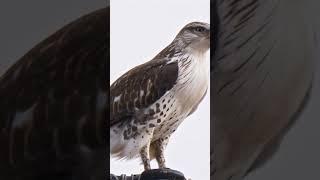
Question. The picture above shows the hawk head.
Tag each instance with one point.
(194, 36)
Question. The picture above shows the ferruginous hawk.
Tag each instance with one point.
(149, 102)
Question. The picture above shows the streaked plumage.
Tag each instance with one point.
(53, 105)
(263, 73)
(148, 103)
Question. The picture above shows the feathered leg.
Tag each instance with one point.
(157, 151)
(145, 157)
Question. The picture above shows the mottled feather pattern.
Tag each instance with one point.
(161, 116)
(144, 89)
(149, 102)
(129, 109)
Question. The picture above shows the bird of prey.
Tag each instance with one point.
(148, 103)
(53, 105)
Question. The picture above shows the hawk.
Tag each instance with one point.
(148, 103)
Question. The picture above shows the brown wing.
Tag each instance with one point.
(53, 100)
(140, 87)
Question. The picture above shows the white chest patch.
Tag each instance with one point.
(193, 80)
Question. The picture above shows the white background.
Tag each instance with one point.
(139, 30)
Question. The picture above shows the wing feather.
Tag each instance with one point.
(140, 87)
(54, 99)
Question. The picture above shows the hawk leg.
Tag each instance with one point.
(157, 149)
(145, 157)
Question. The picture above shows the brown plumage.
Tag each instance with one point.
(53, 104)
(148, 103)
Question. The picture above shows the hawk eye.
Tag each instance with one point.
(200, 29)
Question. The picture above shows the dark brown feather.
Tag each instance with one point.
(62, 82)
(155, 76)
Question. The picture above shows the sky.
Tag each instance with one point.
(139, 30)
